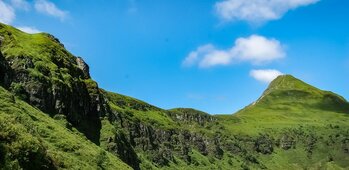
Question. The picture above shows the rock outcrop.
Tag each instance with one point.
(161, 145)
(187, 115)
(5, 69)
(84, 67)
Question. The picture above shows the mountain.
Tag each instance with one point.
(289, 101)
(53, 115)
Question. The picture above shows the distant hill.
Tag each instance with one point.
(53, 115)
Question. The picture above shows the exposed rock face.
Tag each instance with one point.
(5, 69)
(121, 146)
(264, 145)
(162, 145)
(53, 38)
(191, 116)
(287, 142)
(79, 100)
(84, 67)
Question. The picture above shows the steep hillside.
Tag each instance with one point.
(54, 116)
(288, 102)
(30, 139)
(151, 132)
(44, 74)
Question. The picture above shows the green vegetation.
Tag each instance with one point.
(45, 75)
(289, 102)
(53, 116)
(292, 125)
(137, 110)
(30, 139)
(46, 56)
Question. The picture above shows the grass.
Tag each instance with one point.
(287, 103)
(47, 54)
(137, 110)
(27, 131)
(41, 56)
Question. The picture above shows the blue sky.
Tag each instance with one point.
(213, 55)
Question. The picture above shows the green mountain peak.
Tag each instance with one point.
(289, 82)
(287, 92)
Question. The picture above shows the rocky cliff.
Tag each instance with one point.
(51, 79)
(5, 70)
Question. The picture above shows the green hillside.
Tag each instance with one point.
(288, 102)
(309, 126)
(54, 116)
(30, 139)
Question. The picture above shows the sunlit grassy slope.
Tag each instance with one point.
(31, 139)
(44, 49)
(289, 102)
(137, 110)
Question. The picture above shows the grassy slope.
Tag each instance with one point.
(27, 127)
(136, 110)
(42, 48)
(292, 105)
(289, 102)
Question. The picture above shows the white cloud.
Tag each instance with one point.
(254, 49)
(49, 8)
(194, 56)
(257, 11)
(265, 76)
(7, 13)
(258, 49)
(216, 57)
(20, 4)
(30, 30)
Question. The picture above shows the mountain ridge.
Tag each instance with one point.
(303, 121)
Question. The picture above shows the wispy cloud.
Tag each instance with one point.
(257, 11)
(7, 13)
(254, 49)
(30, 30)
(20, 4)
(49, 8)
(265, 76)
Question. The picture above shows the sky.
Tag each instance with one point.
(217, 56)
